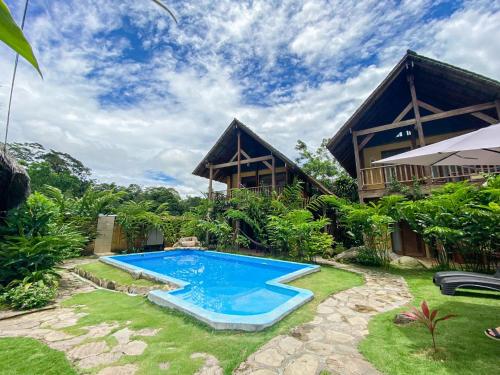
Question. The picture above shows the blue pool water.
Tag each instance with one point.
(220, 283)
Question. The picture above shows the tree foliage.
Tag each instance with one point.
(321, 165)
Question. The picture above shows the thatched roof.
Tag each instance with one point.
(14, 183)
(437, 83)
(226, 147)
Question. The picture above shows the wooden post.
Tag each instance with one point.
(358, 165)
(210, 182)
(273, 173)
(416, 111)
(239, 161)
(497, 105)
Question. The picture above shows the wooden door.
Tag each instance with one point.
(412, 243)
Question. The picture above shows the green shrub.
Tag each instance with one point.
(369, 257)
(28, 295)
(33, 239)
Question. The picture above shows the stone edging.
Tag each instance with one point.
(113, 285)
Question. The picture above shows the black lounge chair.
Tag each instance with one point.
(451, 283)
(439, 276)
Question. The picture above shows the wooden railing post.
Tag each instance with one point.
(239, 161)
(210, 182)
(358, 165)
(273, 173)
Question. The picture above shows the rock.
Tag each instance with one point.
(402, 319)
(348, 255)
(406, 262)
(14, 183)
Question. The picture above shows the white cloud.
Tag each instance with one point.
(202, 73)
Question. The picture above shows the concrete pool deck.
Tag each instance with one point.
(221, 321)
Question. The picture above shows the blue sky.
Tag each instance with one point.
(140, 99)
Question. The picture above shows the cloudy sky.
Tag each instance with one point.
(141, 100)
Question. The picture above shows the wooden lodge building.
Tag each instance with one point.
(242, 159)
(421, 101)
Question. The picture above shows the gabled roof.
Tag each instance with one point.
(437, 83)
(225, 147)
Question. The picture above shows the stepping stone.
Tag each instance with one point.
(88, 350)
(323, 309)
(320, 348)
(289, 345)
(263, 372)
(129, 369)
(148, 332)
(57, 336)
(135, 347)
(269, 357)
(100, 359)
(123, 336)
(335, 336)
(307, 364)
(100, 330)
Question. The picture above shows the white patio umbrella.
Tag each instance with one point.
(481, 147)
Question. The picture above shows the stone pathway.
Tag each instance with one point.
(329, 342)
(90, 350)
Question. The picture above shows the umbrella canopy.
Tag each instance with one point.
(481, 147)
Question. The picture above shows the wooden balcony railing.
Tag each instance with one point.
(264, 190)
(381, 177)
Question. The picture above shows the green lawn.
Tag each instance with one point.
(105, 271)
(464, 347)
(180, 335)
(28, 356)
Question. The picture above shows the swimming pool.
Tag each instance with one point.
(226, 291)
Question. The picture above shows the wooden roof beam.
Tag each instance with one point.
(478, 115)
(242, 161)
(248, 157)
(435, 116)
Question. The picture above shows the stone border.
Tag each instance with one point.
(113, 285)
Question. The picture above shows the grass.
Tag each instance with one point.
(105, 271)
(28, 356)
(464, 349)
(181, 335)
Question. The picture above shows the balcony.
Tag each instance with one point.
(263, 190)
(377, 179)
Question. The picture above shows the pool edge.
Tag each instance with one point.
(218, 321)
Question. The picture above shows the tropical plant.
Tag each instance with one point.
(137, 221)
(14, 37)
(29, 295)
(297, 234)
(428, 318)
(33, 239)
